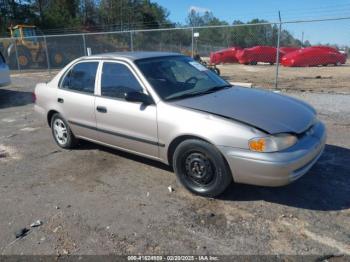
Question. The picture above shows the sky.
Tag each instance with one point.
(334, 32)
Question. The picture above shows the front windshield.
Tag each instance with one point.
(179, 77)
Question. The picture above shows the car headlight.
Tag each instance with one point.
(272, 143)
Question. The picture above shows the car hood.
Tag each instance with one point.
(265, 110)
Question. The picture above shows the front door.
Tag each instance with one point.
(127, 125)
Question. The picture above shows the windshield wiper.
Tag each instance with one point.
(208, 91)
(184, 96)
(215, 88)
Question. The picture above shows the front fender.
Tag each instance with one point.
(176, 121)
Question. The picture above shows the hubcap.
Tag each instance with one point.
(60, 131)
(23, 61)
(199, 169)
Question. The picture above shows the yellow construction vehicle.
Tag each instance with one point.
(31, 49)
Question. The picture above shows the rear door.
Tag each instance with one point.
(127, 125)
(76, 98)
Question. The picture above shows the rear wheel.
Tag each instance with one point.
(62, 133)
(24, 59)
(57, 59)
(201, 168)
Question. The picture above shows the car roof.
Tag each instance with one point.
(131, 55)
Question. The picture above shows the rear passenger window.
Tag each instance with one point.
(117, 79)
(81, 77)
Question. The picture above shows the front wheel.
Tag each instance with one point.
(62, 133)
(201, 168)
(216, 70)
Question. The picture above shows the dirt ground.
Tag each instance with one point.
(329, 79)
(95, 200)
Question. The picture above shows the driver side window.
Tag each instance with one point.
(117, 79)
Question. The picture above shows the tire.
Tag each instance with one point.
(201, 168)
(57, 59)
(62, 133)
(12, 61)
(215, 70)
(24, 59)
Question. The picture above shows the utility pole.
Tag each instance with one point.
(121, 13)
(302, 39)
(278, 49)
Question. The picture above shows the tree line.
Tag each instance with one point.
(70, 16)
(60, 16)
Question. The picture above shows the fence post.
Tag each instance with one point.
(84, 43)
(16, 52)
(131, 41)
(192, 37)
(278, 50)
(47, 55)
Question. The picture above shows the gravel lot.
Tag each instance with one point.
(95, 200)
(329, 79)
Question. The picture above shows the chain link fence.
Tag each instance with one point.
(256, 55)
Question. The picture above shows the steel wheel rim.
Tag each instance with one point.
(198, 169)
(60, 131)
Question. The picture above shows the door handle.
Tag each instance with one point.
(60, 100)
(101, 109)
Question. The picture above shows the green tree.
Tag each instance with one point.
(60, 14)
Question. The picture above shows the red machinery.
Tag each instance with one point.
(227, 55)
(253, 55)
(314, 56)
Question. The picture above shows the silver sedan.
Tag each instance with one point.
(168, 107)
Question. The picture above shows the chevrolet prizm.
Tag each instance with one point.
(167, 107)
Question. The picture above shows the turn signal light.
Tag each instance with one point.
(257, 144)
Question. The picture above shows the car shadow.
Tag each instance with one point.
(326, 187)
(13, 98)
(86, 145)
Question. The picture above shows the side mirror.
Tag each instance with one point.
(138, 97)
